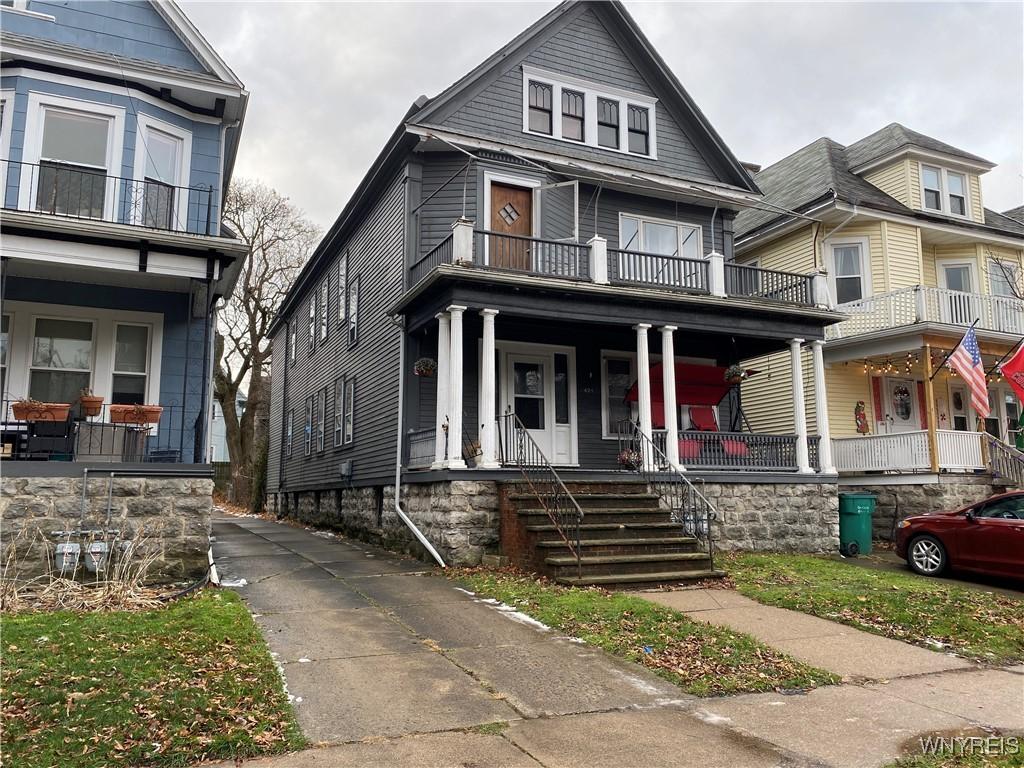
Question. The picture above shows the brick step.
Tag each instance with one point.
(595, 500)
(640, 562)
(636, 580)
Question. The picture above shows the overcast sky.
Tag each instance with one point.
(330, 81)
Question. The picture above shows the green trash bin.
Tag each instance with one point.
(855, 512)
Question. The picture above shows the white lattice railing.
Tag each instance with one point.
(936, 305)
(908, 452)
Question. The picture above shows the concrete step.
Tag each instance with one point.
(636, 580)
(622, 529)
(648, 543)
(604, 513)
(655, 557)
(618, 562)
(596, 500)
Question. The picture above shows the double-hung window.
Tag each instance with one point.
(292, 342)
(289, 427)
(639, 130)
(348, 415)
(131, 362)
(353, 311)
(339, 409)
(572, 115)
(163, 156)
(617, 376)
(309, 425)
(540, 107)
(321, 422)
(324, 294)
(1004, 278)
(608, 123)
(944, 190)
(664, 238)
(957, 193)
(343, 288)
(850, 271)
(62, 359)
(931, 180)
(312, 321)
(72, 174)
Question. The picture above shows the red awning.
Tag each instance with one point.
(695, 385)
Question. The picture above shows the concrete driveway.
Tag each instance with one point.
(390, 664)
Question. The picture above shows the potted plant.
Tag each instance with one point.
(425, 367)
(734, 374)
(135, 414)
(630, 458)
(31, 409)
(91, 404)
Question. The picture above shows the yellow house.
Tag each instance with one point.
(897, 225)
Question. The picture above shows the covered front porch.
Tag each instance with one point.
(587, 386)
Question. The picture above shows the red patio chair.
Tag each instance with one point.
(689, 449)
(736, 449)
(702, 418)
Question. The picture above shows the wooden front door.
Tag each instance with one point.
(511, 219)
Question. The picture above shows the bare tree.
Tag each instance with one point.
(280, 239)
(1006, 272)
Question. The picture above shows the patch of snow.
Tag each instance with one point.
(711, 718)
(304, 660)
(233, 583)
(638, 683)
(465, 591)
(776, 703)
(324, 534)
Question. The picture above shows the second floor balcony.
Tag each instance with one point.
(922, 304)
(79, 192)
(594, 262)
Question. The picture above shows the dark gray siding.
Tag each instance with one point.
(436, 216)
(376, 259)
(276, 437)
(582, 48)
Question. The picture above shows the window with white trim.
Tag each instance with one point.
(618, 372)
(1003, 277)
(312, 321)
(292, 342)
(348, 417)
(343, 288)
(72, 173)
(309, 425)
(849, 272)
(658, 236)
(339, 409)
(324, 295)
(589, 113)
(321, 424)
(62, 359)
(131, 363)
(944, 191)
(289, 426)
(353, 311)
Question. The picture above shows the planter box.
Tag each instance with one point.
(92, 405)
(41, 411)
(135, 414)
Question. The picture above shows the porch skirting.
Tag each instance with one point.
(461, 518)
(906, 495)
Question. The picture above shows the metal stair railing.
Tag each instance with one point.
(518, 447)
(1005, 461)
(688, 506)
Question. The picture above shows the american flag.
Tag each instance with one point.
(966, 359)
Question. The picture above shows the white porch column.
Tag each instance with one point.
(825, 461)
(716, 274)
(643, 380)
(803, 462)
(443, 377)
(455, 390)
(668, 368)
(488, 394)
(462, 241)
(598, 255)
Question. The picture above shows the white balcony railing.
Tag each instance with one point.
(908, 452)
(936, 305)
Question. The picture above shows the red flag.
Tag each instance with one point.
(1013, 372)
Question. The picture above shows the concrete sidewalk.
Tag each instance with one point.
(390, 665)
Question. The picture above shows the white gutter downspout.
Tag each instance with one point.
(838, 227)
(398, 451)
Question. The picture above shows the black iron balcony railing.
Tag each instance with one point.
(56, 432)
(80, 192)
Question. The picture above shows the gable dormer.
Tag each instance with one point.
(584, 83)
(921, 172)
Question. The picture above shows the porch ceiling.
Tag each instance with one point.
(96, 276)
(894, 341)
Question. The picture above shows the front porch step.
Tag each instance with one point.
(527, 511)
(563, 560)
(597, 501)
(619, 543)
(625, 528)
(640, 579)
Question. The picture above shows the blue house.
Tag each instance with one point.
(119, 128)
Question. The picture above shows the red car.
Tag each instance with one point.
(986, 537)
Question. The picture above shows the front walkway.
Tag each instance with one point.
(390, 665)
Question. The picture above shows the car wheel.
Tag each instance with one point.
(926, 556)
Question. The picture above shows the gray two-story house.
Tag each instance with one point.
(489, 323)
(119, 127)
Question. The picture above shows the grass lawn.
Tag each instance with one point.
(963, 761)
(977, 625)
(164, 687)
(703, 660)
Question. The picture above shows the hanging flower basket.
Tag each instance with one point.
(34, 410)
(135, 414)
(91, 404)
(425, 367)
(630, 459)
(734, 374)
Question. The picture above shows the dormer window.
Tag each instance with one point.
(540, 108)
(599, 116)
(943, 191)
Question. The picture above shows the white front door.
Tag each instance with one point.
(538, 388)
(960, 414)
(961, 306)
(902, 412)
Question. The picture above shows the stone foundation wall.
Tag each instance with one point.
(897, 502)
(459, 518)
(164, 516)
(780, 517)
